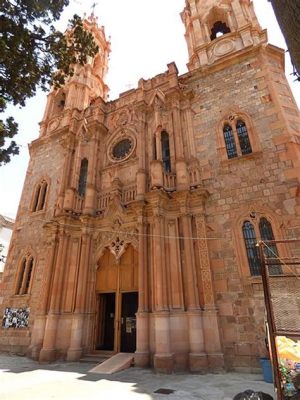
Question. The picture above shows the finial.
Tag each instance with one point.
(92, 17)
(93, 8)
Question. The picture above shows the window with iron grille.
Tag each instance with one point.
(243, 136)
(271, 251)
(229, 141)
(236, 138)
(252, 232)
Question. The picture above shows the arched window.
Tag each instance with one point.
(83, 177)
(236, 137)
(39, 199)
(251, 249)
(36, 197)
(252, 232)
(229, 141)
(219, 29)
(266, 233)
(165, 150)
(243, 136)
(24, 275)
(21, 276)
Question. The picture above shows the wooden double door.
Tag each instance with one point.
(117, 322)
(117, 302)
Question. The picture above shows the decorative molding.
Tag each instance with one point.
(116, 239)
(206, 278)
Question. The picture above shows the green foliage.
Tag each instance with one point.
(31, 50)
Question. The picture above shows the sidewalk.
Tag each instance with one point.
(24, 379)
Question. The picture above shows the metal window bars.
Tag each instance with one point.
(282, 300)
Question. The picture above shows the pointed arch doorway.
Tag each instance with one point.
(117, 302)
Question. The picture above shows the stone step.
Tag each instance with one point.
(116, 363)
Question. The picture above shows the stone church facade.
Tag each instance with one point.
(138, 220)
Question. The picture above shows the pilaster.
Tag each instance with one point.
(48, 351)
(75, 348)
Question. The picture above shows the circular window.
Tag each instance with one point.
(122, 149)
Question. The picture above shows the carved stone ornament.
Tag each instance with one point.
(85, 135)
(224, 47)
(122, 118)
(53, 124)
(117, 248)
(116, 240)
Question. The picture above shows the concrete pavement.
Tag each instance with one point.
(24, 379)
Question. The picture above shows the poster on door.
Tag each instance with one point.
(130, 324)
(15, 318)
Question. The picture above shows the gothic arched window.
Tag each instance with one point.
(24, 275)
(236, 137)
(243, 136)
(271, 251)
(165, 150)
(229, 141)
(83, 177)
(251, 249)
(39, 199)
(252, 232)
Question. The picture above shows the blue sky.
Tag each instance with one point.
(146, 35)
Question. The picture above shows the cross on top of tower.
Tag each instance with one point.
(93, 8)
(92, 17)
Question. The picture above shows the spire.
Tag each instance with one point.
(87, 82)
(218, 28)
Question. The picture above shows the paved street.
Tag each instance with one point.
(22, 379)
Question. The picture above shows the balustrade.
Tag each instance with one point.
(169, 181)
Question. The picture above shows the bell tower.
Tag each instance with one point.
(85, 85)
(219, 28)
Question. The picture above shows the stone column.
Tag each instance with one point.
(207, 32)
(189, 130)
(211, 329)
(48, 352)
(140, 184)
(89, 202)
(141, 176)
(142, 318)
(70, 191)
(38, 330)
(191, 286)
(238, 13)
(158, 144)
(66, 173)
(163, 358)
(156, 171)
(197, 355)
(75, 349)
(181, 167)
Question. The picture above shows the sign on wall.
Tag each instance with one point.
(15, 317)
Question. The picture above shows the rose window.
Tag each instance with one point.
(122, 149)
